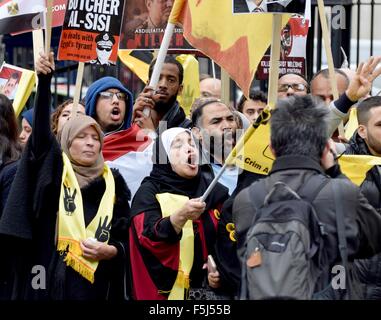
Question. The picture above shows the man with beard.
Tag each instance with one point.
(367, 141)
(215, 127)
(110, 104)
(160, 106)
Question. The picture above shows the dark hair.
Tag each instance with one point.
(198, 106)
(57, 113)
(325, 73)
(364, 107)
(15, 76)
(172, 60)
(10, 148)
(295, 74)
(299, 127)
(256, 95)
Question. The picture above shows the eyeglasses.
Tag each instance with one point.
(103, 48)
(294, 86)
(110, 95)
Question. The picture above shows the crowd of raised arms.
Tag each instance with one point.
(104, 200)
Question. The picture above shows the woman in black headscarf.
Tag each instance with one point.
(172, 231)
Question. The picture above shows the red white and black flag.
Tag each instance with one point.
(20, 15)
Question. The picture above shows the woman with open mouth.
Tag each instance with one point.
(172, 230)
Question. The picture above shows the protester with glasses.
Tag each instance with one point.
(110, 104)
(292, 84)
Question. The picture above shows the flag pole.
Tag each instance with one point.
(273, 88)
(274, 61)
(48, 26)
(78, 86)
(328, 51)
(38, 46)
(225, 87)
(160, 59)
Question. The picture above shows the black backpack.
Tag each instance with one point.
(284, 253)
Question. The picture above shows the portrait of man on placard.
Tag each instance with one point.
(105, 42)
(264, 6)
(9, 80)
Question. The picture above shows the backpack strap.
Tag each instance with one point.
(310, 189)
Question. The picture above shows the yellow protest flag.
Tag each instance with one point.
(352, 124)
(137, 61)
(252, 152)
(236, 42)
(191, 85)
(355, 167)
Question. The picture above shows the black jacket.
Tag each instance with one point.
(7, 174)
(368, 270)
(362, 222)
(30, 215)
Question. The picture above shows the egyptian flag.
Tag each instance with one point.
(129, 151)
(18, 15)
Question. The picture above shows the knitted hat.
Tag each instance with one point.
(28, 116)
(104, 84)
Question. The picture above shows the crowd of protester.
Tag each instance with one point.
(99, 236)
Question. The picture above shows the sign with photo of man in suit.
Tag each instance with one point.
(269, 6)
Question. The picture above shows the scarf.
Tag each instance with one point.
(165, 190)
(66, 136)
(71, 221)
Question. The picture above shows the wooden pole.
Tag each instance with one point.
(48, 25)
(225, 87)
(274, 61)
(328, 51)
(78, 87)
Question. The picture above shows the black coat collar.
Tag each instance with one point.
(295, 162)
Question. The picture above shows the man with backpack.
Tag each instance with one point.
(297, 229)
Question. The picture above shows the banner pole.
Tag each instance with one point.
(328, 51)
(160, 59)
(78, 87)
(225, 87)
(38, 46)
(274, 61)
(48, 26)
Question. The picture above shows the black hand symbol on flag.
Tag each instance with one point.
(103, 231)
(69, 201)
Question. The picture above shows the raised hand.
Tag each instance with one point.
(192, 210)
(361, 83)
(144, 100)
(45, 63)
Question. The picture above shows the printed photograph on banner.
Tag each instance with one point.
(292, 50)
(16, 84)
(90, 32)
(266, 6)
(17, 16)
(144, 24)
(9, 81)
